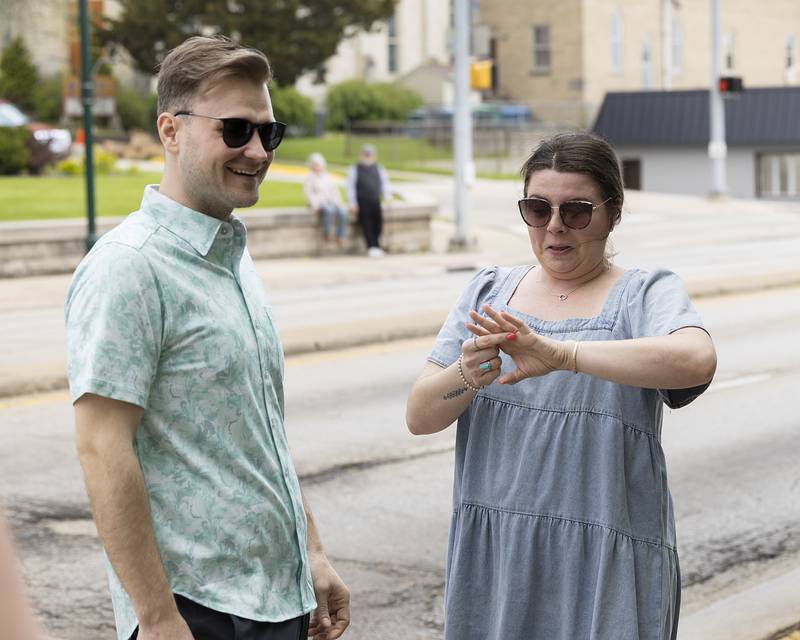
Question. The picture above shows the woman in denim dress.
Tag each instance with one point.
(562, 523)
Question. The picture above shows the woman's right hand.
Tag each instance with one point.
(480, 360)
(534, 355)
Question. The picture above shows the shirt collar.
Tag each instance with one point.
(198, 229)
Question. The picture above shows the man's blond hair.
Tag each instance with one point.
(192, 67)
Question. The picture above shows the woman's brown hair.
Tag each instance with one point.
(580, 152)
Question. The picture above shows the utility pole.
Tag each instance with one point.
(464, 167)
(717, 149)
(86, 99)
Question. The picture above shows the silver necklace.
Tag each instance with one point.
(564, 296)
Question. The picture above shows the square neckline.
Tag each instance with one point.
(604, 319)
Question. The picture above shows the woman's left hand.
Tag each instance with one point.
(533, 354)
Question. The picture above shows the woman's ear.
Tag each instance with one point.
(614, 218)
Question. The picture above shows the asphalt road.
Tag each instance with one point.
(382, 497)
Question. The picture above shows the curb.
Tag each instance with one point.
(20, 381)
(757, 613)
(709, 288)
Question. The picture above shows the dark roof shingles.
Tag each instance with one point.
(764, 116)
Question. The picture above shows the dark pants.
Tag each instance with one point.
(370, 216)
(207, 624)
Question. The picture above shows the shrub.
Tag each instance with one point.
(18, 76)
(48, 100)
(135, 110)
(104, 163)
(396, 102)
(70, 167)
(14, 152)
(293, 108)
(357, 100)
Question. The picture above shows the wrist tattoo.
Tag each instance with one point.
(454, 393)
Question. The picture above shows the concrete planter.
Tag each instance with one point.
(56, 246)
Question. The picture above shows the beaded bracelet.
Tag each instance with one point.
(470, 386)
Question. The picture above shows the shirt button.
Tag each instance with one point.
(224, 231)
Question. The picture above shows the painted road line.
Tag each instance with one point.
(34, 400)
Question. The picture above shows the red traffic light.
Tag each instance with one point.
(730, 84)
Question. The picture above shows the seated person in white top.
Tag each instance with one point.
(324, 198)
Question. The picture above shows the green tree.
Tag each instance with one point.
(296, 35)
(293, 108)
(18, 76)
(354, 100)
(351, 100)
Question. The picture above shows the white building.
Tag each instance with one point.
(45, 28)
(417, 35)
(662, 139)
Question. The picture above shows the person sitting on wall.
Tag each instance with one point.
(367, 187)
(324, 198)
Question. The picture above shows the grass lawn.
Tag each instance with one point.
(394, 152)
(40, 198)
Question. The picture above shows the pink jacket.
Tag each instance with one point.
(321, 189)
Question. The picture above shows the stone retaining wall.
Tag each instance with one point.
(56, 246)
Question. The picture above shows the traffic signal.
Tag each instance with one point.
(730, 84)
(480, 75)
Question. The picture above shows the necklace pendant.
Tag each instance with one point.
(563, 296)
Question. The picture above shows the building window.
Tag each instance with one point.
(541, 48)
(779, 175)
(728, 58)
(647, 64)
(677, 45)
(791, 52)
(617, 42)
(391, 56)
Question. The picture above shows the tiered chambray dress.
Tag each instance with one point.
(562, 524)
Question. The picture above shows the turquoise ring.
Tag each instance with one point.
(485, 366)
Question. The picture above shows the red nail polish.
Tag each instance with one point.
(511, 336)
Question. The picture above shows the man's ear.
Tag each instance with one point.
(167, 126)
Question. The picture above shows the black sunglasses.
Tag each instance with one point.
(236, 132)
(575, 214)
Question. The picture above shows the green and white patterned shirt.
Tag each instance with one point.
(168, 313)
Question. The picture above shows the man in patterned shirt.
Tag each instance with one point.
(176, 374)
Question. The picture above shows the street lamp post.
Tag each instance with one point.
(86, 100)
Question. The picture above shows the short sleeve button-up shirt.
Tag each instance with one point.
(168, 313)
